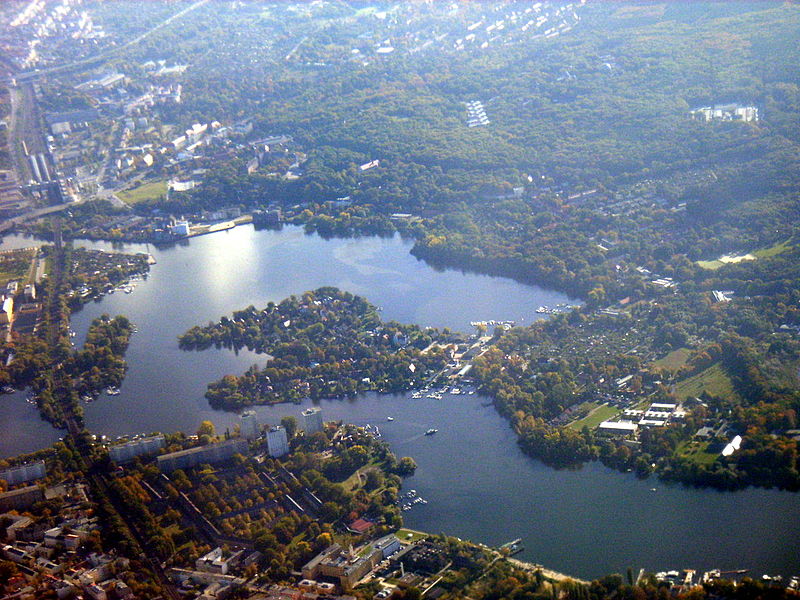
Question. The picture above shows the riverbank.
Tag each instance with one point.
(549, 573)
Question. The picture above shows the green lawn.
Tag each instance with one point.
(697, 452)
(715, 264)
(773, 250)
(674, 360)
(148, 191)
(713, 380)
(711, 265)
(402, 535)
(593, 419)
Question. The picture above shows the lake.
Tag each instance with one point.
(479, 485)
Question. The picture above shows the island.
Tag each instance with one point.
(324, 344)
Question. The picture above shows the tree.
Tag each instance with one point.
(374, 479)
(290, 425)
(406, 466)
(7, 571)
(206, 428)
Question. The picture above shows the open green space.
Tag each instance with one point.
(697, 452)
(14, 266)
(713, 380)
(142, 193)
(713, 265)
(774, 250)
(674, 360)
(594, 418)
(356, 480)
(410, 535)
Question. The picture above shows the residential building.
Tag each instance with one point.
(277, 443)
(213, 453)
(24, 473)
(21, 498)
(312, 420)
(249, 425)
(125, 452)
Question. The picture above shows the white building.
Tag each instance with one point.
(180, 228)
(7, 310)
(312, 420)
(129, 450)
(617, 427)
(215, 562)
(277, 443)
(249, 425)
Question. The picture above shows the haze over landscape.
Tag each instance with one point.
(488, 300)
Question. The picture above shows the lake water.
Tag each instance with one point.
(479, 485)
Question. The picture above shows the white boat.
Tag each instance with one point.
(431, 431)
(390, 418)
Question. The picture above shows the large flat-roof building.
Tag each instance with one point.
(617, 427)
(213, 453)
(21, 498)
(23, 473)
(348, 567)
(122, 453)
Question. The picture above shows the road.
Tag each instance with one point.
(39, 212)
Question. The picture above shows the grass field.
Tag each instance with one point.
(148, 191)
(594, 418)
(674, 360)
(713, 380)
(713, 265)
(402, 535)
(697, 452)
(774, 250)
